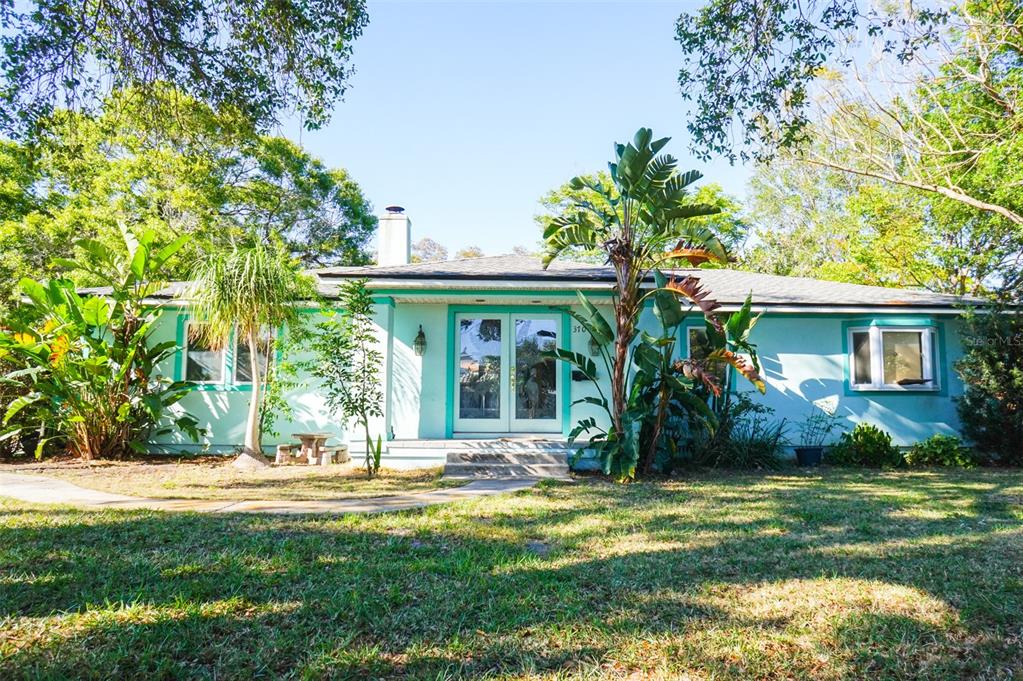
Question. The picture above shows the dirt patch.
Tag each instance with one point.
(212, 477)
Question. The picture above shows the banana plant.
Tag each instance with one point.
(642, 224)
(86, 364)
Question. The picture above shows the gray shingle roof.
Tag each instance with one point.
(487, 267)
(726, 286)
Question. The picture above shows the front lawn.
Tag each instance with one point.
(840, 574)
(214, 478)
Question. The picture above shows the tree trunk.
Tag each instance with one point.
(253, 439)
(618, 369)
(647, 464)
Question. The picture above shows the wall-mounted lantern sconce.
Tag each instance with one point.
(419, 344)
(594, 347)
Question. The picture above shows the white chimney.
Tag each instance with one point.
(395, 241)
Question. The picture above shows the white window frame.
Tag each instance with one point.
(184, 365)
(875, 333)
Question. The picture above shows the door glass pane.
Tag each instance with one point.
(479, 369)
(903, 357)
(203, 364)
(861, 358)
(536, 377)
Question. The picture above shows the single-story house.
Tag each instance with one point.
(877, 355)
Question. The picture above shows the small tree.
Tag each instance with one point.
(247, 291)
(348, 362)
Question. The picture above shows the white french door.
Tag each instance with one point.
(502, 382)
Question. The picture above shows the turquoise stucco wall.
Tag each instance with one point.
(222, 409)
(803, 358)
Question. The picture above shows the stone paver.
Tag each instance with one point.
(42, 490)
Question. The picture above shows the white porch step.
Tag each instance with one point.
(470, 471)
(485, 445)
(481, 458)
(503, 457)
(552, 458)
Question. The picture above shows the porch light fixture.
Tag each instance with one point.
(419, 344)
(594, 347)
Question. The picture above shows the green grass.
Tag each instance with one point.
(836, 575)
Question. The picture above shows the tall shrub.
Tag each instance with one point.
(86, 363)
(991, 408)
(348, 362)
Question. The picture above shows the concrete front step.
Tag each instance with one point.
(510, 457)
(492, 445)
(505, 470)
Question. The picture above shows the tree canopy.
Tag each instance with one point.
(469, 252)
(818, 222)
(922, 103)
(428, 250)
(209, 175)
(256, 58)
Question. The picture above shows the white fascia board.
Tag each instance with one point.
(525, 285)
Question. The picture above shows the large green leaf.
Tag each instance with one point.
(593, 321)
(694, 210)
(576, 359)
(695, 403)
(96, 311)
(589, 399)
(742, 321)
(154, 405)
(96, 249)
(168, 251)
(647, 358)
(138, 261)
(35, 291)
(20, 403)
(667, 308)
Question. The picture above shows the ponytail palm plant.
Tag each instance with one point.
(247, 290)
(642, 223)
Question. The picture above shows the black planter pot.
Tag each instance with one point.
(809, 456)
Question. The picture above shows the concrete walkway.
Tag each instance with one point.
(37, 489)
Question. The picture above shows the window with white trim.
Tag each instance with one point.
(203, 363)
(892, 358)
(206, 365)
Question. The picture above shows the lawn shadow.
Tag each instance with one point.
(908, 577)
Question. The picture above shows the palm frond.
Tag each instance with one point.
(698, 245)
(741, 365)
(697, 370)
(682, 180)
(249, 287)
(692, 289)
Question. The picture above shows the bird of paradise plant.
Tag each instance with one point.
(644, 226)
(86, 371)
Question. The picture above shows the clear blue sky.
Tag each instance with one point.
(466, 113)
